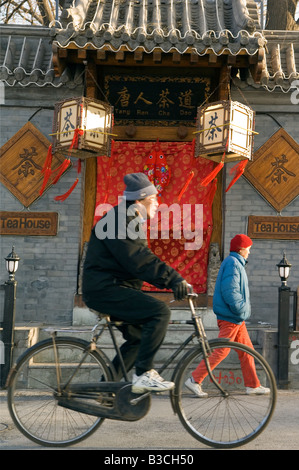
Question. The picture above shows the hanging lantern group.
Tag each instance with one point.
(225, 131)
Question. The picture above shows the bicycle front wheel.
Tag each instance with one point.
(228, 418)
(33, 387)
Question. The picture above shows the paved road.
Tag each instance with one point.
(161, 430)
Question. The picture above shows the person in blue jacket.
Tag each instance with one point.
(231, 304)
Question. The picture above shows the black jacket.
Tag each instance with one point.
(121, 255)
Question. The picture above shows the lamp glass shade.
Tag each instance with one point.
(284, 272)
(12, 266)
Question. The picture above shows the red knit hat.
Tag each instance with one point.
(240, 241)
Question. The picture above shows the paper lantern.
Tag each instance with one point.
(225, 131)
(82, 126)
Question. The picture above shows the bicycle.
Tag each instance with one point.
(77, 390)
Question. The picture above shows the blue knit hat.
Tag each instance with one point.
(138, 186)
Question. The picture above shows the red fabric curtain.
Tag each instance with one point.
(131, 157)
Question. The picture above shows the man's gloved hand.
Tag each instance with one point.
(180, 290)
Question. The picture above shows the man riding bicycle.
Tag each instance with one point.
(118, 261)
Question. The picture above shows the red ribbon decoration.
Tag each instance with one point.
(47, 169)
(238, 170)
(216, 170)
(48, 172)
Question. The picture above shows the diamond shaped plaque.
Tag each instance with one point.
(274, 171)
(21, 161)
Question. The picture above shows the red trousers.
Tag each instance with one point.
(239, 334)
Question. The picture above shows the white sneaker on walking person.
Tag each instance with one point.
(195, 388)
(150, 381)
(257, 391)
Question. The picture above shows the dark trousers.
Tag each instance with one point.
(147, 316)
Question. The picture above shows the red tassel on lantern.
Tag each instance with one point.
(238, 170)
(212, 175)
(61, 169)
(74, 143)
(67, 161)
(66, 195)
(184, 188)
(216, 170)
(47, 169)
(209, 198)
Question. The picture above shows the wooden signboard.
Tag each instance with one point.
(29, 223)
(273, 228)
(21, 161)
(147, 99)
(274, 171)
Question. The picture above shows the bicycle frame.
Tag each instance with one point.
(199, 333)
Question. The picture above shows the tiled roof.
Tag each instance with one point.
(26, 57)
(26, 52)
(221, 26)
(280, 66)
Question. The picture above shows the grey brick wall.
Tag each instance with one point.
(47, 274)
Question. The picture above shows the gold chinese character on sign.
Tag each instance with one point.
(164, 100)
(185, 99)
(124, 97)
(279, 171)
(27, 165)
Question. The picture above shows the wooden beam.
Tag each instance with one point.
(151, 133)
(101, 54)
(138, 55)
(157, 56)
(90, 177)
(120, 56)
(224, 85)
(176, 57)
(62, 53)
(212, 58)
(82, 54)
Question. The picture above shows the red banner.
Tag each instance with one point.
(183, 188)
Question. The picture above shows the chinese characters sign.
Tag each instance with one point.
(274, 171)
(21, 161)
(151, 98)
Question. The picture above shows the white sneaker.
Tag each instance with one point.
(195, 388)
(257, 391)
(150, 381)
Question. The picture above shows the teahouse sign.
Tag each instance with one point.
(277, 228)
(28, 223)
(145, 99)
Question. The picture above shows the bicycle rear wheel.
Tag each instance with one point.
(230, 420)
(33, 387)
